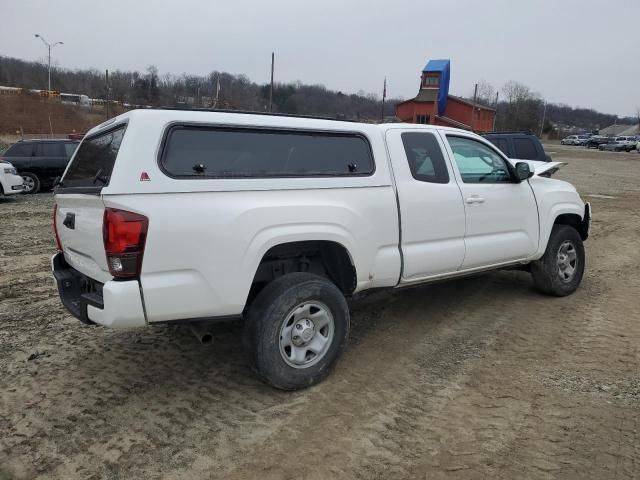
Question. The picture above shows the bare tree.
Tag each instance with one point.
(521, 108)
(486, 93)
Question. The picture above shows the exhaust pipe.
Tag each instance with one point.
(204, 336)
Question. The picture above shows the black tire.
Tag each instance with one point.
(272, 309)
(32, 182)
(547, 274)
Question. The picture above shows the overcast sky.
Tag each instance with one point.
(580, 52)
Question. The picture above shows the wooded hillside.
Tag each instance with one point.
(519, 107)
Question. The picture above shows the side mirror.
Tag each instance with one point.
(523, 171)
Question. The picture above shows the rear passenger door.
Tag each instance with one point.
(431, 207)
(51, 159)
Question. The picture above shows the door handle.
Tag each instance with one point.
(474, 199)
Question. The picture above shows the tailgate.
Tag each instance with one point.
(79, 202)
(79, 224)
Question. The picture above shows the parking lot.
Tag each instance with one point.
(476, 378)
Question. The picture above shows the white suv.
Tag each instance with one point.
(10, 182)
(629, 142)
(570, 140)
(167, 216)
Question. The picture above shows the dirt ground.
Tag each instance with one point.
(475, 378)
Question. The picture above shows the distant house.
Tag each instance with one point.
(434, 106)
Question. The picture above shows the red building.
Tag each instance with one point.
(434, 106)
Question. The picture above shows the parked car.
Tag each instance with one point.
(596, 140)
(570, 140)
(628, 141)
(519, 145)
(614, 145)
(10, 181)
(582, 139)
(169, 215)
(638, 146)
(39, 162)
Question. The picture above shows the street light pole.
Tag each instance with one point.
(49, 47)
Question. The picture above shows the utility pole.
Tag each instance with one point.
(473, 109)
(106, 104)
(384, 96)
(544, 114)
(273, 57)
(495, 115)
(49, 47)
(215, 105)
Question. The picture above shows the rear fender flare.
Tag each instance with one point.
(271, 237)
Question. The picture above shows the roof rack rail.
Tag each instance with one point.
(337, 118)
(45, 140)
(523, 132)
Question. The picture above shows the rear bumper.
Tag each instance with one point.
(115, 304)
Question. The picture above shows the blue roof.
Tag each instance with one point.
(436, 65)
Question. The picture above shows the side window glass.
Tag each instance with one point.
(525, 149)
(477, 162)
(69, 148)
(38, 150)
(425, 157)
(260, 153)
(53, 150)
(503, 145)
(20, 150)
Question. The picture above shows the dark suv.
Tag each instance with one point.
(519, 145)
(39, 162)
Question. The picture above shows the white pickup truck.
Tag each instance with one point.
(166, 215)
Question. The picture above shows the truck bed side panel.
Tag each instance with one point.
(203, 249)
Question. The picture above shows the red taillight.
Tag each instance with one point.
(124, 235)
(55, 227)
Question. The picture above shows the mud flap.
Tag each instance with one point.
(585, 225)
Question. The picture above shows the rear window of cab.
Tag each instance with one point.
(222, 152)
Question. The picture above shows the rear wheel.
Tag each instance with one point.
(560, 270)
(31, 183)
(296, 328)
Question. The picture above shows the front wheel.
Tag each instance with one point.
(295, 330)
(560, 270)
(31, 183)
